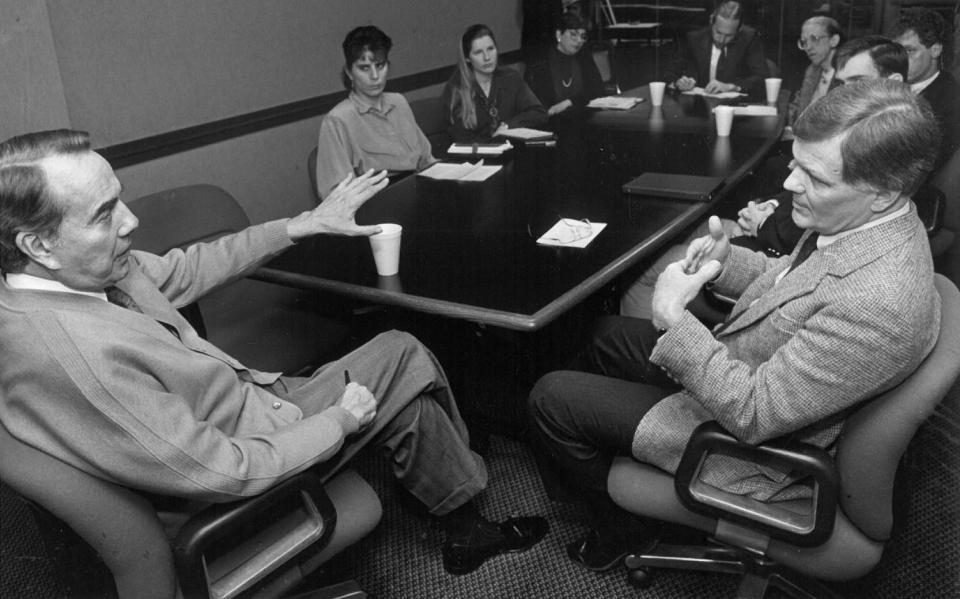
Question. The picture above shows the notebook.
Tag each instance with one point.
(684, 187)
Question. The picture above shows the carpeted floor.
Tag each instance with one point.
(401, 559)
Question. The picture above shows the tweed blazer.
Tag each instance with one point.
(742, 63)
(142, 400)
(849, 323)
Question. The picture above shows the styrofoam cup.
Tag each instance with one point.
(386, 249)
(724, 116)
(656, 92)
(773, 88)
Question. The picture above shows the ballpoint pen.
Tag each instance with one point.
(346, 377)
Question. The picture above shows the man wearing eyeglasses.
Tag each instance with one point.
(846, 316)
(819, 38)
(724, 57)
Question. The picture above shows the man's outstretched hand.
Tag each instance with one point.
(336, 213)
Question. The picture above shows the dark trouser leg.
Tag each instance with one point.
(580, 422)
(620, 347)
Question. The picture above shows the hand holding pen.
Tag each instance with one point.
(358, 400)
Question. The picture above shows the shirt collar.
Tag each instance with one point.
(919, 86)
(364, 108)
(825, 240)
(19, 280)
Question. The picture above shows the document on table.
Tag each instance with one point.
(755, 110)
(525, 133)
(460, 172)
(570, 233)
(698, 91)
(634, 25)
(614, 102)
(485, 149)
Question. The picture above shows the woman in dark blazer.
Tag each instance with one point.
(482, 99)
(567, 78)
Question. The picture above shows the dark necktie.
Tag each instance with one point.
(121, 298)
(809, 246)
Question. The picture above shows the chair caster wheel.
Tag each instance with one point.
(641, 578)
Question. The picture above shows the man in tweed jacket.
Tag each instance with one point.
(848, 315)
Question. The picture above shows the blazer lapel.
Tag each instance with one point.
(838, 259)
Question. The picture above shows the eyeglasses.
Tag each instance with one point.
(581, 35)
(571, 230)
(805, 42)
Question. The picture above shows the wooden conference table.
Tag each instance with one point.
(469, 250)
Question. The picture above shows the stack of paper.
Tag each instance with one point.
(460, 172)
(525, 133)
(755, 110)
(614, 102)
(487, 149)
(698, 91)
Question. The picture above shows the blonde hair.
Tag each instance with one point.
(462, 101)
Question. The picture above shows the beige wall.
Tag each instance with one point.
(126, 69)
(31, 93)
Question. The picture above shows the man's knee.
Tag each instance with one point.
(547, 395)
(401, 340)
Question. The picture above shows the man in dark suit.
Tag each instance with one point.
(924, 34)
(724, 57)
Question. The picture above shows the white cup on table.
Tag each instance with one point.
(773, 88)
(724, 118)
(656, 92)
(386, 249)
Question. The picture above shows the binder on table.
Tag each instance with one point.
(685, 187)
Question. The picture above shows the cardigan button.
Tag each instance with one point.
(277, 405)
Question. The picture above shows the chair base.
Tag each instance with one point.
(348, 589)
(758, 573)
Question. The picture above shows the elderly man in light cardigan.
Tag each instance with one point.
(100, 370)
(847, 315)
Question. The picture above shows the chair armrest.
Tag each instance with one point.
(227, 548)
(781, 520)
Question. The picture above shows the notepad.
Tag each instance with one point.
(684, 187)
(525, 133)
(460, 172)
(614, 102)
(484, 149)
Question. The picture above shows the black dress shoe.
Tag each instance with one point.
(600, 553)
(465, 552)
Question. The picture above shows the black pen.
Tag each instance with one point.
(346, 377)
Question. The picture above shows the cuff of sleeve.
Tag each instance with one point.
(276, 234)
(675, 348)
(345, 419)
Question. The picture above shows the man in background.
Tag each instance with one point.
(724, 57)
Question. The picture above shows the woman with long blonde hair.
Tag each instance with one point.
(481, 98)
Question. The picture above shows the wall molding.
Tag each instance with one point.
(189, 138)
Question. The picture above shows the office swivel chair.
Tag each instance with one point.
(261, 546)
(840, 534)
(269, 327)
